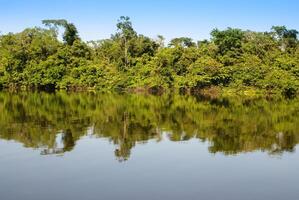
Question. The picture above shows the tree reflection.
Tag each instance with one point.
(55, 122)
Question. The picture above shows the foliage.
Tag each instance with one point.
(70, 33)
(233, 58)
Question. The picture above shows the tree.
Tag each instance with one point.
(286, 38)
(160, 41)
(23, 52)
(184, 42)
(70, 32)
(228, 40)
(126, 32)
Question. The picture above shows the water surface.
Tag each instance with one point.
(112, 146)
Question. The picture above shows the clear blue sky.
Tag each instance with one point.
(96, 19)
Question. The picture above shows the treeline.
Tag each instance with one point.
(233, 59)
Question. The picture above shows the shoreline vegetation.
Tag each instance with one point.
(233, 61)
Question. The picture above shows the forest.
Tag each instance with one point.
(232, 60)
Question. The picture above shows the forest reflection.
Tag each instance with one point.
(55, 122)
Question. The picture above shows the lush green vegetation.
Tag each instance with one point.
(233, 59)
(55, 122)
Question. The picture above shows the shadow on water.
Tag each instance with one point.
(54, 122)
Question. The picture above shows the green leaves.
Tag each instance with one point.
(228, 40)
(233, 58)
(125, 28)
(70, 33)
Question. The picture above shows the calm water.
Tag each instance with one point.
(95, 146)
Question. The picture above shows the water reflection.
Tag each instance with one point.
(55, 122)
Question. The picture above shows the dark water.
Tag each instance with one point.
(96, 146)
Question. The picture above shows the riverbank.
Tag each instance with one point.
(210, 92)
(233, 61)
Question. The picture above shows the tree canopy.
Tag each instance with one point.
(233, 59)
(70, 32)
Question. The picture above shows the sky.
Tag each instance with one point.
(96, 19)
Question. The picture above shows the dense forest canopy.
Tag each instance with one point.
(233, 59)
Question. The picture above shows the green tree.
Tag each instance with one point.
(228, 40)
(126, 32)
(286, 38)
(70, 30)
(182, 42)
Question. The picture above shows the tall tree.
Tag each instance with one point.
(160, 41)
(286, 38)
(70, 31)
(126, 32)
